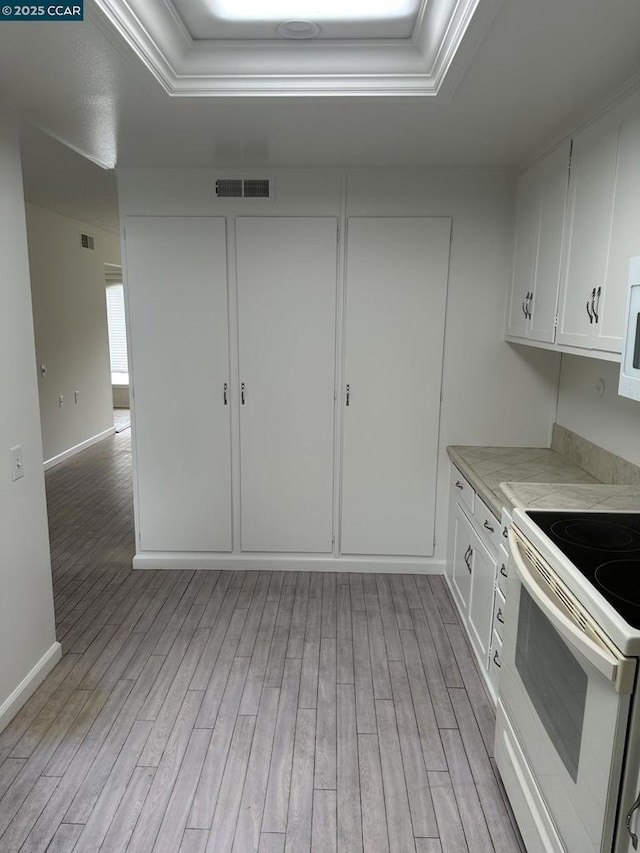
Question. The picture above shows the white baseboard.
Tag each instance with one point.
(66, 454)
(12, 704)
(287, 563)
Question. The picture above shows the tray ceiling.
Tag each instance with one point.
(228, 48)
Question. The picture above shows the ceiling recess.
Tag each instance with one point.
(438, 40)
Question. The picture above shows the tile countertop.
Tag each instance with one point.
(537, 476)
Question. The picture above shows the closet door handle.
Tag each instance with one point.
(242, 393)
(224, 393)
(348, 394)
(597, 305)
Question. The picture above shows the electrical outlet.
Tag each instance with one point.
(61, 401)
(76, 395)
(17, 468)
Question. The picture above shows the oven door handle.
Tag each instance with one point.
(620, 671)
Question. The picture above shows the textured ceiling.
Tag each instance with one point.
(541, 66)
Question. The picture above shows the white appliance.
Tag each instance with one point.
(568, 718)
(629, 385)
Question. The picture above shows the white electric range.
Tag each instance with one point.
(568, 718)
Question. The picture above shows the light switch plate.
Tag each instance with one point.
(17, 467)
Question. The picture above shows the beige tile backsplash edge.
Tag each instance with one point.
(600, 463)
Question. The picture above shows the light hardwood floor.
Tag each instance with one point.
(242, 711)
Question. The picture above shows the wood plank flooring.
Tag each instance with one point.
(242, 711)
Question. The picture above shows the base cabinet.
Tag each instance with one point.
(476, 572)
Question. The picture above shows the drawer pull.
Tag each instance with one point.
(459, 485)
(487, 526)
(500, 616)
(503, 571)
(496, 659)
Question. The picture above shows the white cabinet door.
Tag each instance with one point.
(483, 574)
(396, 286)
(461, 559)
(178, 327)
(525, 251)
(591, 189)
(286, 269)
(552, 176)
(625, 239)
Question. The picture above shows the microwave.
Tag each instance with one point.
(629, 385)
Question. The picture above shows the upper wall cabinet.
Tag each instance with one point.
(541, 202)
(586, 249)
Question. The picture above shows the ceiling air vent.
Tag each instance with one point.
(86, 241)
(240, 188)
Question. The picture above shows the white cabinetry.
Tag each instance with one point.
(602, 234)
(286, 323)
(238, 421)
(396, 285)
(476, 571)
(178, 331)
(578, 243)
(540, 212)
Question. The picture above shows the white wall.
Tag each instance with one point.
(27, 636)
(69, 315)
(610, 421)
(493, 393)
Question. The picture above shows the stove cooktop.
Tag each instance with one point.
(605, 548)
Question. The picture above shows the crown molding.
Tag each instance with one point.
(446, 30)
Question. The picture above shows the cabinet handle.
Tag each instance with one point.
(458, 483)
(524, 305)
(505, 532)
(503, 571)
(496, 659)
(500, 616)
(224, 393)
(468, 554)
(487, 526)
(242, 393)
(634, 837)
(597, 305)
(588, 306)
(529, 305)
(348, 394)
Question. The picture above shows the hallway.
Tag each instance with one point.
(242, 711)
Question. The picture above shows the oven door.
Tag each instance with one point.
(565, 694)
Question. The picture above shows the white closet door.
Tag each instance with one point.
(286, 320)
(397, 271)
(178, 320)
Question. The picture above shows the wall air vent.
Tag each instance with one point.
(86, 241)
(244, 188)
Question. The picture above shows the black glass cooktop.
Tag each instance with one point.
(605, 548)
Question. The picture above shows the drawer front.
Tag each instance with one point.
(464, 493)
(488, 525)
(498, 613)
